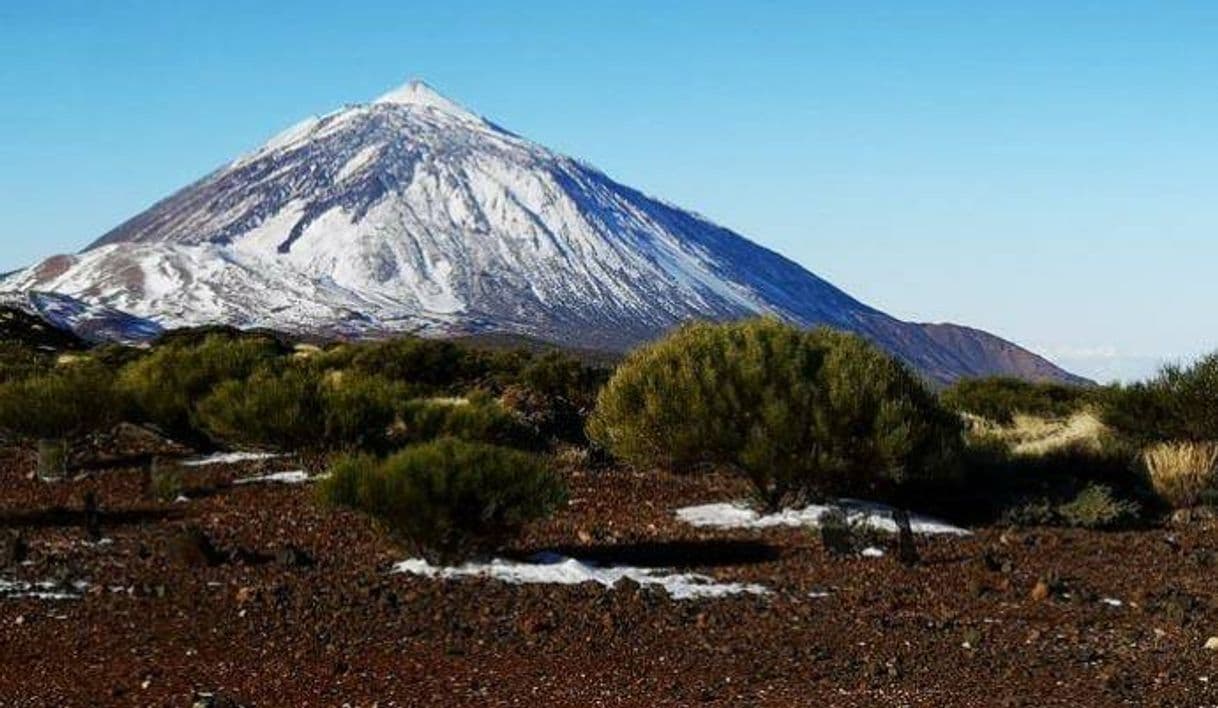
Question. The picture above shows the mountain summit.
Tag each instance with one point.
(418, 93)
(412, 214)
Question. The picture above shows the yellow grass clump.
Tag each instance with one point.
(1033, 436)
(1181, 472)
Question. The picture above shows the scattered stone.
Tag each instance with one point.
(294, 557)
(836, 535)
(193, 547)
(1195, 515)
(13, 549)
(1212, 644)
(907, 551)
(215, 700)
(92, 517)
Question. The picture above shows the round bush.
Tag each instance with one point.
(801, 414)
(449, 497)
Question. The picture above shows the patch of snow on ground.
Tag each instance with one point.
(876, 516)
(291, 477)
(229, 458)
(45, 590)
(551, 568)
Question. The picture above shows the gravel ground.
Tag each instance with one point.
(253, 595)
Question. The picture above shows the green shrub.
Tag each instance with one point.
(61, 403)
(165, 483)
(555, 393)
(298, 407)
(473, 420)
(799, 413)
(271, 408)
(998, 486)
(999, 399)
(164, 386)
(560, 377)
(446, 367)
(448, 497)
(1095, 507)
(19, 361)
(435, 363)
(361, 409)
(1181, 403)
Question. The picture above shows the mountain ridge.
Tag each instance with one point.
(412, 214)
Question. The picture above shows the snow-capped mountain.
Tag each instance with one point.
(412, 214)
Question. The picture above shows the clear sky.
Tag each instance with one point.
(1043, 169)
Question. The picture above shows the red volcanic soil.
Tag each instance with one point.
(254, 595)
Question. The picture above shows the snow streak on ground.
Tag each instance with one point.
(45, 590)
(229, 458)
(551, 568)
(291, 477)
(876, 516)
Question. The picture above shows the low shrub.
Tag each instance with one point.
(271, 408)
(447, 368)
(1183, 474)
(165, 482)
(1000, 399)
(1095, 507)
(555, 393)
(360, 409)
(998, 485)
(1180, 404)
(562, 378)
(450, 498)
(19, 361)
(799, 413)
(61, 403)
(164, 386)
(297, 407)
(56, 406)
(473, 420)
(429, 362)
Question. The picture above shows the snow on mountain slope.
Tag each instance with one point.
(89, 322)
(412, 214)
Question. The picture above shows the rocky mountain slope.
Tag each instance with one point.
(412, 214)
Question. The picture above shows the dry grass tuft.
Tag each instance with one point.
(1033, 436)
(1182, 472)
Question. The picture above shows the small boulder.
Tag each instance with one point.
(193, 547)
(294, 557)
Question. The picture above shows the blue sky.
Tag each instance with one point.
(1043, 170)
